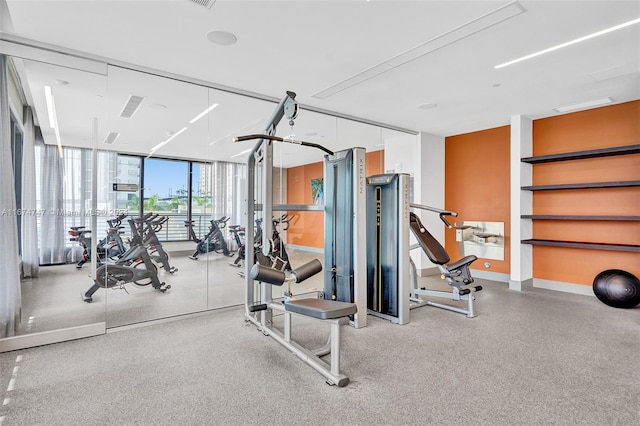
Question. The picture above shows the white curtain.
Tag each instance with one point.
(10, 292)
(228, 190)
(64, 195)
(52, 227)
(30, 259)
(77, 189)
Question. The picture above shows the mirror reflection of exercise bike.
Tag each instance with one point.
(138, 264)
(213, 241)
(277, 257)
(238, 233)
(109, 248)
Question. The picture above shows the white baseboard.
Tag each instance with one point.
(53, 336)
(491, 276)
(585, 290)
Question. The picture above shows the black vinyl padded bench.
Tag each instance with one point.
(321, 309)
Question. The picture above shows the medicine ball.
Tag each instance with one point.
(617, 288)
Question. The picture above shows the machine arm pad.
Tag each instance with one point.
(267, 275)
(307, 270)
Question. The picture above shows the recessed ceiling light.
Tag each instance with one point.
(223, 38)
(569, 43)
(202, 114)
(427, 106)
(62, 82)
(583, 105)
(246, 151)
(48, 95)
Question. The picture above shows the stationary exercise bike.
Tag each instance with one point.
(277, 257)
(135, 265)
(109, 248)
(212, 242)
(238, 233)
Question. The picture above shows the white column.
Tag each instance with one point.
(422, 157)
(429, 190)
(521, 203)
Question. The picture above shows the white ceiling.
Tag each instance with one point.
(308, 46)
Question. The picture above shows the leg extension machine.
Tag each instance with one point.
(328, 311)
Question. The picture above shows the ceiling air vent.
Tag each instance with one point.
(204, 3)
(111, 137)
(132, 105)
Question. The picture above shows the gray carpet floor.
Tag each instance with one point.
(535, 357)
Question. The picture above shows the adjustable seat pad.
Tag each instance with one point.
(461, 262)
(321, 309)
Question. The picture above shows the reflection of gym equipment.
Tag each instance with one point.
(153, 244)
(457, 273)
(277, 257)
(136, 265)
(259, 305)
(213, 241)
(617, 288)
(238, 233)
(109, 248)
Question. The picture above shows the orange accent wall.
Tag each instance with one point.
(616, 125)
(374, 163)
(477, 186)
(307, 229)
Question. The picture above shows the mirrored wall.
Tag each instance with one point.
(139, 192)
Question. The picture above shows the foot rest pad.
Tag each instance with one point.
(321, 309)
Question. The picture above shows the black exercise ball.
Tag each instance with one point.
(617, 288)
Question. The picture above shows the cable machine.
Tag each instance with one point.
(259, 310)
(345, 230)
(388, 247)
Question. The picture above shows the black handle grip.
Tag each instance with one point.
(256, 308)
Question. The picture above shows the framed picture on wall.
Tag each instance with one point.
(317, 191)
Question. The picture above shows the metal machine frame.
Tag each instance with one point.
(388, 247)
(260, 312)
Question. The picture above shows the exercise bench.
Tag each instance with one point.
(457, 273)
(327, 311)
